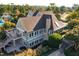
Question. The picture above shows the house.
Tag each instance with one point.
(6, 16)
(31, 31)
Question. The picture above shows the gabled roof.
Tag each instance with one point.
(57, 24)
(28, 23)
(31, 23)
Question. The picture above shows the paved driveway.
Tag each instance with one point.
(58, 52)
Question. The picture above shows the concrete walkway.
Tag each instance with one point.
(58, 52)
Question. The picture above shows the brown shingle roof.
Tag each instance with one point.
(30, 22)
(57, 24)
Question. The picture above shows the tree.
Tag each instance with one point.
(26, 9)
(73, 35)
(58, 16)
(1, 9)
(64, 9)
(72, 15)
(54, 8)
(2, 35)
(75, 7)
(17, 12)
(28, 52)
(73, 23)
(52, 5)
(8, 25)
(48, 8)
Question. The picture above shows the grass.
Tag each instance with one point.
(47, 52)
(71, 52)
(6, 54)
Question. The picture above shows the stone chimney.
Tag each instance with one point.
(48, 24)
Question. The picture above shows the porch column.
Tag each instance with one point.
(14, 46)
(4, 47)
(14, 43)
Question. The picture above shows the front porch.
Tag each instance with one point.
(14, 46)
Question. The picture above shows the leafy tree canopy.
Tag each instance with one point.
(73, 23)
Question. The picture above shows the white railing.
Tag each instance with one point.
(18, 36)
(5, 42)
(36, 37)
(40, 32)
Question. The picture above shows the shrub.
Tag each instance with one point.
(8, 25)
(70, 52)
(73, 23)
(2, 35)
(44, 43)
(55, 36)
(54, 40)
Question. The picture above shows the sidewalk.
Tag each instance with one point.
(58, 52)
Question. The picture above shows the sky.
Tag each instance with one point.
(41, 2)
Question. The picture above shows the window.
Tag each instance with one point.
(44, 30)
(22, 33)
(29, 35)
(40, 40)
(35, 42)
(35, 33)
(30, 44)
(40, 31)
(7, 46)
(32, 34)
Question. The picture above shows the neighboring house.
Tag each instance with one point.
(31, 31)
(6, 16)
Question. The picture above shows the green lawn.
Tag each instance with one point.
(71, 52)
(6, 54)
(47, 52)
